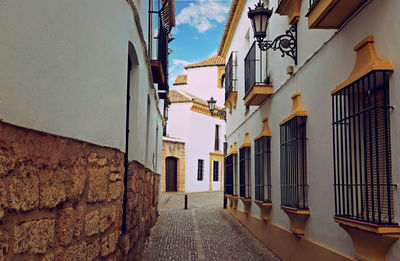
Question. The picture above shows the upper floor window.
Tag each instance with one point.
(255, 67)
(293, 163)
(217, 140)
(230, 75)
(362, 150)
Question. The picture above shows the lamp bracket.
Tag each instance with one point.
(286, 43)
(219, 113)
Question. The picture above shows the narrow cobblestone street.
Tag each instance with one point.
(203, 232)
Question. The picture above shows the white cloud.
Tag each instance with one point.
(177, 63)
(203, 15)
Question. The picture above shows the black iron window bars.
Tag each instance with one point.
(215, 170)
(362, 150)
(294, 188)
(200, 169)
(255, 67)
(262, 160)
(229, 175)
(230, 75)
(244, 172)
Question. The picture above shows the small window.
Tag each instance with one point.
(244, 172)
(200, 169)
(262, 160)
(215, 170)
(293, 163)
(217, 141)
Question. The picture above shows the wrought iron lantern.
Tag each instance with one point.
(286, 43)
(216, 112)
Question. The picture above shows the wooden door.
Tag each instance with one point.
(171, 174)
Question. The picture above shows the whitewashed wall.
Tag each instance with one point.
(331, 60)
(63, 70)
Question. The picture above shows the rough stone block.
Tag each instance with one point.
(93, 250)
(92, 223)
(97, 160)
(108, 243)
(114, 190)
(6, 162)
(107, 217)
(3, 199)
(3, 245)
(75, 253)
(34, 237)
(75, 182)
(48, 257)
(52, 187)
(78, 221)
(24, 189)
(98, 183)
(65, 226)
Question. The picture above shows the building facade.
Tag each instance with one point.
(189, 119)
(81, 129)
(311, 167)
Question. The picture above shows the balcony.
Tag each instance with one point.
(331, 14)
(257, 88)
(230, 82)
(291, 8)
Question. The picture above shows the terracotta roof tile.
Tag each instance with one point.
(180, 79)
(211, 61)
(177, 97)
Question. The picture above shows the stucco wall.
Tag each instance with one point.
(331, 60)
(63, 70)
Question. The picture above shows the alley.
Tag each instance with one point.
(203, 232)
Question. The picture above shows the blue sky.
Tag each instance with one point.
(198, 31)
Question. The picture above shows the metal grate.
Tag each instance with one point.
(293, 163)
(262, 160)
(230, 75)
(229, 175)
(215, 170)
(255, 67)
(200, 169)
(362, 150)
(244, 172)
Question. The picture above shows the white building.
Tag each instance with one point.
(190, 121)
(312, 141)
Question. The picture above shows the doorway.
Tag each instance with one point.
(171, 166)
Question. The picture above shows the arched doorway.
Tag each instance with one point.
(171, 167)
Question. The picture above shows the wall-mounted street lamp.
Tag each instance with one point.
(216, 112)
(286, 43)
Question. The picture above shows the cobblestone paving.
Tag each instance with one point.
(203, 232)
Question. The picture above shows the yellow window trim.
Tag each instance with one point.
(266, 132)
(233, 149)
(297, 108)
(367, 61)
(246, 142)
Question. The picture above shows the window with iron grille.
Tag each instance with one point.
(262, 161)
(200, 169)
(362, 150)
(216, 142)
(255, 67)
(215, 170)
(229, 175)
(244, 172)
(293, 163)
(230, 75)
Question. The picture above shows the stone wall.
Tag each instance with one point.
(61, 199)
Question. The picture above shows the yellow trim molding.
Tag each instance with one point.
(332, 14)
(371, 241)
(298, 218)
(265, 208)
(258, 94)
(221, 72)
(235, 202)
(231, 101)
(246, 142)
(233, 150)
(291, 8)
(297, 108)
(283, 243)
(230, 202)
(266, 132)
(366, 62)
(223, 50)
(246, 204)
(200, 108)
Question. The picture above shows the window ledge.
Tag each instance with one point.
(234, 201)
(231, 101)
(371, 241)
(298, 218)
(247, 204)
(291, 8)
(258, 94)
(265, 208)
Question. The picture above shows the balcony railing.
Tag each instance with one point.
(230, 75)
(255, 67)
(312, 3)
